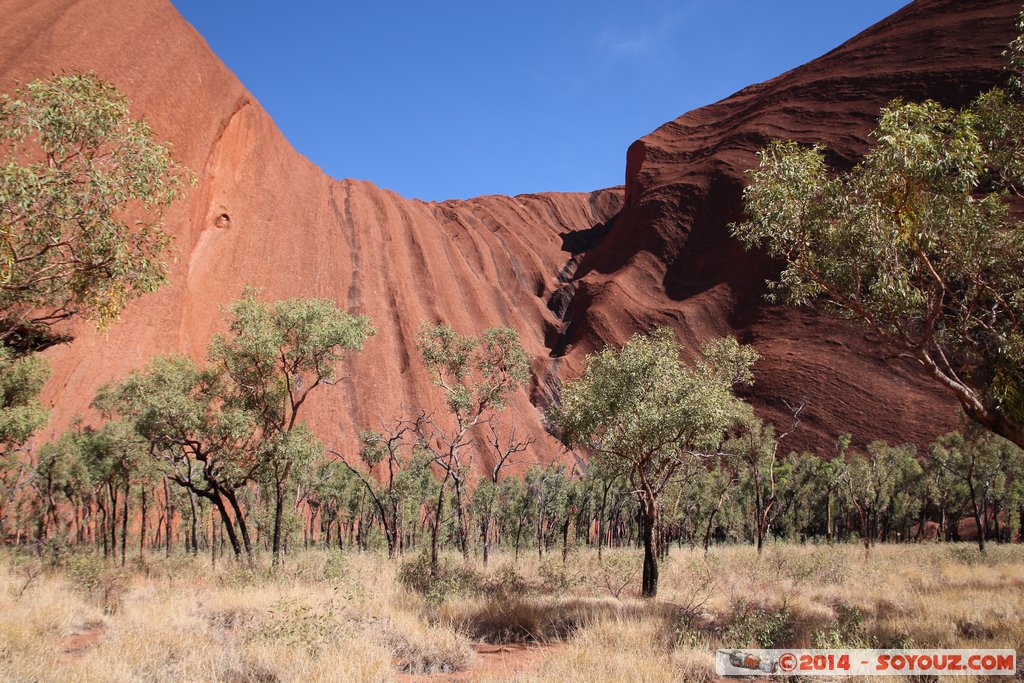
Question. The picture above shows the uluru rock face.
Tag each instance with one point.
(571, 272)
(263, 215)
(669, 259)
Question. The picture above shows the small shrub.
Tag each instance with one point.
(765, 627)
(555, 577)
(969, 555)
(973, 630)
(336, 565)
(54, 552)
(425, 650)
(506, 584)
(617, 571)
(846, 632)
(298, 624)
(99, 581)
(245, 576)
(449, 580)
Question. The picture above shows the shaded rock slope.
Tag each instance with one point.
(570, 271)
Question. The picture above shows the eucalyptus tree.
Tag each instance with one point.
(83, 187)
(206, 445)
(59, 474)
(877, 483)
(643, 411)
(21, 414)
(708, 496)
(403, 469)
(757, 448)
(273, 356)
(918, 242)
(979, 464)
(478, 376)
(503, 449)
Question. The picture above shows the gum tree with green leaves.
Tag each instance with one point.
(204, 444)
(917, 242)
(83, 186)
(21, 414)
(272, 358)
(882, 482)
(642, 412)
(979, 464)
(478, 376)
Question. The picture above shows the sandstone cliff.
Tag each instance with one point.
(571, 272)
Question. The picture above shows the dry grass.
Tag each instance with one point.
(334, 617)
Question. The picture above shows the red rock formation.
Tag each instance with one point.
(668, 258)
(264, 215)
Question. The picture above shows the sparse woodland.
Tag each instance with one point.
(198, 492)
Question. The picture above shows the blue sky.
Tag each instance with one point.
(441, 100)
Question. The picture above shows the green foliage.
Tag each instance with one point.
(180, 411)
(759, 626)
(645, 415)
(847, 631)
(477, 374)
(555, 577)
(98, 581)
(506, 585)
(220, 428)
(883, 484)
(615, 571)
(82, 190)
(21, 414)
(275, 353)
(438, 584)
(916, 242)
(641, 403)
(297, 623)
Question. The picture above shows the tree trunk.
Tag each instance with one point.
(124, 523)
(649, 520)
(484, 540)
(463, 520)
(829, 533)
(170, 514)
(103, 526)
(278, 512)
(229, 527)
(243, 528)
(195, 523)
(113, 520)
(565, 540)
(600, 518)
(435, 533)
(978, 514)
(142, 527)
(519, 533)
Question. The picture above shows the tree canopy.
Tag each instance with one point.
(917, 242)
(83, 186)
(642, 412)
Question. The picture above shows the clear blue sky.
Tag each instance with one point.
(442, 100)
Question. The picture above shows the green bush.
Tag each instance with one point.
(506, 584)
(449, 579)
(555, 577)
(98, 580)
(298, 624)
(846, 632)
(758, 626)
